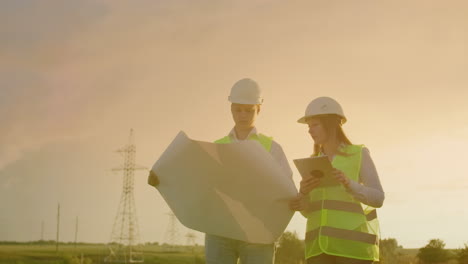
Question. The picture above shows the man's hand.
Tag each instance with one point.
(153, 179)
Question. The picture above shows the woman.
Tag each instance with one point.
(342, 225)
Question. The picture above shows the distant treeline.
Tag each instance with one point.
(45, 242)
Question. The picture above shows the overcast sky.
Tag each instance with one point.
(76, 76)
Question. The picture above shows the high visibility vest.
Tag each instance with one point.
(265, 141)
(337, 223)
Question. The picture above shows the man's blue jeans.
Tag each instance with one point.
(222, 250)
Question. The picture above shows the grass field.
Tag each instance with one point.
(93, 253)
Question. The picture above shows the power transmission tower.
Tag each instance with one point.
(125, 232)
(172, 232)
(190, 238)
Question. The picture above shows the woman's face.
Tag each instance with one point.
(317, 131)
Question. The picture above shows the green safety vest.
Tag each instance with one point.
(337, 223)
(265, 141)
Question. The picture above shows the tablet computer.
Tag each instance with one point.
(319, 167)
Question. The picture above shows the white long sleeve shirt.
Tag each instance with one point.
(368, 190)
(276, 151)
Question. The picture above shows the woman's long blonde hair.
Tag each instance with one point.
(332, 126)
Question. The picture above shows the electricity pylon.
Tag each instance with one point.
(125, 232)
(172, 235)
(190, 238)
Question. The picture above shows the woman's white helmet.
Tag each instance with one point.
(323, 106)
(246, 91)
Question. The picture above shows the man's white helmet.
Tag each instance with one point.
(323, 106)
(246, 91)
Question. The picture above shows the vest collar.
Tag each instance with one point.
(340, 148)
(232, 134)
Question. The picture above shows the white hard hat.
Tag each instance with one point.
(245, 91)
(323, 106)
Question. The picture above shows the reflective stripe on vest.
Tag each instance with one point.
(265, 141)
(340, 206)
(335, 205)
(337, 224)
(342, 234)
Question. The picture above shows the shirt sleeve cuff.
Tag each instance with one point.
(353, 187)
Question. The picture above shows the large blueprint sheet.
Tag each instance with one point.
(232, 190)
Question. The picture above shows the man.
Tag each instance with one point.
(246, 103)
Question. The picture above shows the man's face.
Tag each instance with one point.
(244, 115)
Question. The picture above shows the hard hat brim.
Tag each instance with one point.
(243, 101)
(303, 120)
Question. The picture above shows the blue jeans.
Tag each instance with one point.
(222, 250)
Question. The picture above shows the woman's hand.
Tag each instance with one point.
(341, 177)
(299, 203)
(308, 183)
(153, 179)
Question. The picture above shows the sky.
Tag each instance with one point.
(76, 76)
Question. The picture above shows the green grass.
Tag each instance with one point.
(68, 254)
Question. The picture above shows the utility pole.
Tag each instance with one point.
(42, 231)
(76, 230)
(58, 229)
